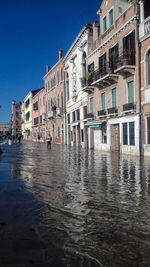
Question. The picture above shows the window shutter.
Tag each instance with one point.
(91, 105)
(133, 47)
(110, 60)
(103, 101)
(131, 92)
(114, 98)
(124, 46)
(105, 62)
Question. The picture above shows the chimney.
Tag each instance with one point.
(95, 30)
(60, 53)
(47, 68)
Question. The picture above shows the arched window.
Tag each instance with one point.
(148, 68)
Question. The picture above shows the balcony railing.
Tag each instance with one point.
(101, 112)
(112, 110)
(88, 116)
(59, 112)
(51, 114)
(147, 26)
(126, 57)
(129, 106)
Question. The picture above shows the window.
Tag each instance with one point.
(82, 135)
(104, 133)
(104, 24)
(148, 130)
(125, 134)
(148, 68)
(58, 101)
(85, 111)
(27, 115)
(36, 120)
(67, 86)
(58, 132)
(114, 98)
(78, 114)
(103, 101)
(113, 56)
(73, 116)
(35, 106)
(111, 19)
(131, 134)
(27, 103)
(68, 118)
(41, 119)
(61, 74)
(102, 64)
(57, 76)
(131, 92)
(62, 100)
(129, 48)
(91, 105)
(128, 134)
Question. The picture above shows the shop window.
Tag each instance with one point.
(148, 130)
(104, 133)
(82, 135)
(125, 134)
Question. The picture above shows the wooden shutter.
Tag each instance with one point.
(114, 104)
(91, 105)
(103, 101)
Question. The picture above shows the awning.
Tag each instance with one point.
(93, 124)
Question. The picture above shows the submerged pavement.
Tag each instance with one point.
(71, 207)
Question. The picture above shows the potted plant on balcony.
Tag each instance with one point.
(90, 74)
(83, 81)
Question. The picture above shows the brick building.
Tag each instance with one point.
(55, 101)
(38, 116)
(144, 35)
(113, 79)
(16, 120)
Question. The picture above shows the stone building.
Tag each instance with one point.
(38, 116)
(113, 79)
(55, 101)
(16, 120)
(76, 98)
(144, 35)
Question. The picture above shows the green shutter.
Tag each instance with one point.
(91, 105)
(103, 101)
(131, 92)
(104, 24)
(111, 19)
(114, 98)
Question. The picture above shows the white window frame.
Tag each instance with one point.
(146, 68)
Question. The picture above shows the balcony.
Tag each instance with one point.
(51, 114)
(112, 111)
(88, 116)
(104, 76)
(86, 86)
(144, 28)
(59, 112)
(130, 107)
(44, 117)
(126, 64)
(101, 113)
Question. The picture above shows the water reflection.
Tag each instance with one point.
(76, 207)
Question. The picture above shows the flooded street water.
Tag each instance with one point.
(72, 207)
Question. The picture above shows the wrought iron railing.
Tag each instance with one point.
(129, 106)
(112, 110)
(101, 112)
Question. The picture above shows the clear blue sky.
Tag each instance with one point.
(31, 33)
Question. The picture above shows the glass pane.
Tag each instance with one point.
(125, 134)
(131, 133)
(131, 92)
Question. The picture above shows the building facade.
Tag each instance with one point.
(76, 98)
(5, 130)
(55, 102)
(38, 116)
(144, 35)
(16, 120)
(113, 80)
